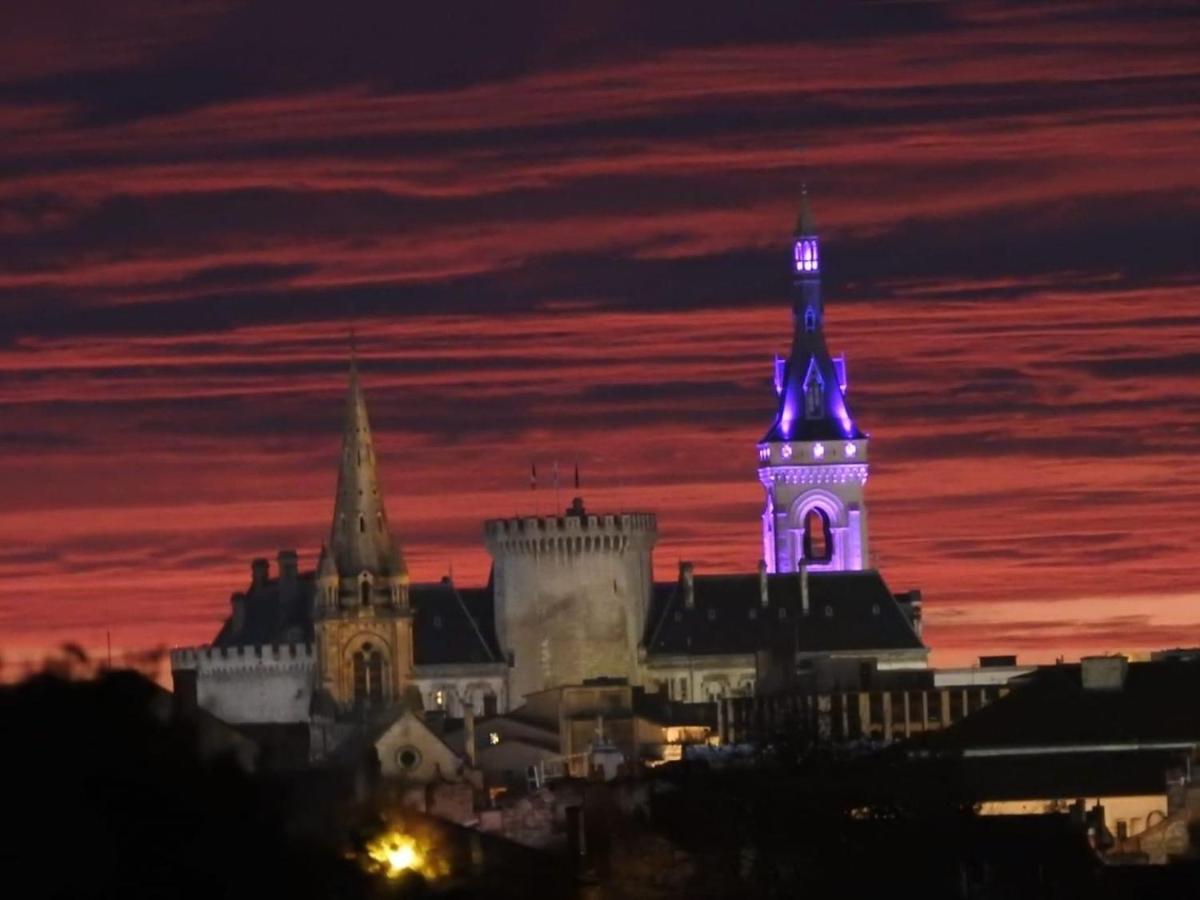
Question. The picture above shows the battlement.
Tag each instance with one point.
(208, 657)
(585, 533)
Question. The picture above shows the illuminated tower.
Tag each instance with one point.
(362, 618)
(813, 458)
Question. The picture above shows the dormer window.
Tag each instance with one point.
(810, 320)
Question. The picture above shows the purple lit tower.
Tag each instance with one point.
(813, 458)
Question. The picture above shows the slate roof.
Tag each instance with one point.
(272, 616)
(1156, 704)
(847, 611)
(450, 625)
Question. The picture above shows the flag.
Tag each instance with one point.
(533, 476)
(577, 474)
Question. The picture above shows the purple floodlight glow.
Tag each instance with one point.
(818, 451)
(850, 449)
(805, 253)
(786, 451)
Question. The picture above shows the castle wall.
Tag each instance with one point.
(251, 684)
(571, 596)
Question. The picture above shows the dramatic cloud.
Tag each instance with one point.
(197, 205)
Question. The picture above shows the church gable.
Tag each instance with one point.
(407, 749)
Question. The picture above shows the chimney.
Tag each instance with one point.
(763, 594)
(238, 618)
(288, 575)
(1103, 673)
(686, 575)
(802, 574)
(260, 571)
(469, 732)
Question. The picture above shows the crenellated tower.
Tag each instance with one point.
(361, 613)
(813, 458)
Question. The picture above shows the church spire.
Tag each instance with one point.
(361, 540)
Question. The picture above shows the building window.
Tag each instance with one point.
(810, 320)
(489, 704)
(437, 621)
(362, 525)
(439, 699)
(368, 676)
(364, 591)
(683, 689)
(408, 758)
(818, 541)
(493, 737)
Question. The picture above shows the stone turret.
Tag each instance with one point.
(571, 595)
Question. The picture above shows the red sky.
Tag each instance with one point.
(561, 231)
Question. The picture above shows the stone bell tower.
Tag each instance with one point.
(813, 458)
(361, 613)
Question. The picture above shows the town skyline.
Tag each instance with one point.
(586, 258)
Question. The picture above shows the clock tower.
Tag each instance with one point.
(813, 458)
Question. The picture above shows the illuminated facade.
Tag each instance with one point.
(813, 458)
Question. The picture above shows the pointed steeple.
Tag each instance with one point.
(361, 539)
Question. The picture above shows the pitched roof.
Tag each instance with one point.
(272, 614)
(450, 625)
(1053, 708)
(847, 611)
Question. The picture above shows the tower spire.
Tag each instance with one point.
(812, 460)
(360, 539)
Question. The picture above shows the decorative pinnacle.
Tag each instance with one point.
(804, 223)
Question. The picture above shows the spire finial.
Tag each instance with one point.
(804, 223)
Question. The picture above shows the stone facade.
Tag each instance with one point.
(254, 684)
(571, 595)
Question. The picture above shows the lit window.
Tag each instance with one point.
(805, 252)
(786, 451)
(439, 698)
(850, 449)
(818, 451)
(494, 737)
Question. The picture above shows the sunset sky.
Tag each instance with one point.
(561, 231)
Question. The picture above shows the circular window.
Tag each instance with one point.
(408, 758)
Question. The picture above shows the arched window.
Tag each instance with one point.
(810, 320)
(368, 676)
(364, 588)
(818, 542)
(362, 525)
